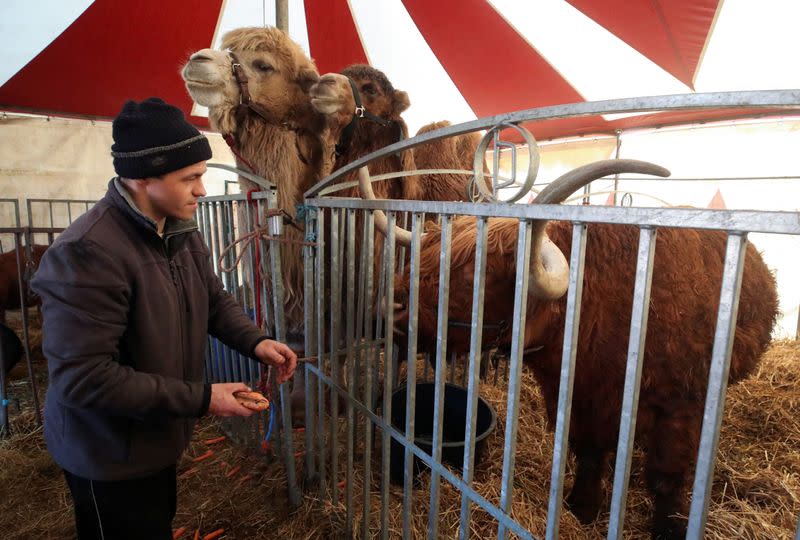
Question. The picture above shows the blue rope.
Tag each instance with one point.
(306, 213)
(271, 421)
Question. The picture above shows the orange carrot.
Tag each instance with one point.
(215, 534)
(178, 533)
(299, 429)
(188, 472)
(243, 479)
(301, 453)
(215, 440)
(233, 471)
(197, 534)
(204, 456)
(341, 484)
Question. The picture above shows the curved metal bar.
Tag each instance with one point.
(711, 100)
(261, 181)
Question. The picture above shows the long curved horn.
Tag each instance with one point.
(549, 274)
(402, 236)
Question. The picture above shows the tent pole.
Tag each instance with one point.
(282, 14)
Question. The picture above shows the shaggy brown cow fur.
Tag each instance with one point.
(9, 279)
(687, 276)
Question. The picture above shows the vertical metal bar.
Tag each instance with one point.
(560, 447)
(474, 369)
(633, 375)
(717, 381)
(25, 334)
(440, 372)
(616, 156)
(280, 333)
(207, 207)
(336, 310)
(351, 375)
(514, 383)
(236, 358)
(245, 212)
(797, 534)
(368, 246)
(388, 376)
(204, 233)
(321, 296)
(411, 373)
(309, 344)
(223, 364)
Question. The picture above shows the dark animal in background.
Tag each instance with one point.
(9, 278)
(687, 277)
(10, 347)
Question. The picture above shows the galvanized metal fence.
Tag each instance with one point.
(355, 343)
(251, 272)
(46, 219)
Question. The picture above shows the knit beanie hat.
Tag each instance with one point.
(153, 138)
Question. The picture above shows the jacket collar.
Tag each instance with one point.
(120, 198)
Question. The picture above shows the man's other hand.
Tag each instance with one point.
(279, 356)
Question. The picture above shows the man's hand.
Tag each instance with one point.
(224, 403)
(278, 355)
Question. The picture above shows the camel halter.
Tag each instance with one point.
(359, 113)
(245, 101)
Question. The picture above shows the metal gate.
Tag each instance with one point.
(349, 417)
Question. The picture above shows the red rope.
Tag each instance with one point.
(228, 137)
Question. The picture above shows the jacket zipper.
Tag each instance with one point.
(173, 271)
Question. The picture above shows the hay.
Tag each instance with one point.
(756, 492)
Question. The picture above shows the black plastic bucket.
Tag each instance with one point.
(453, 427)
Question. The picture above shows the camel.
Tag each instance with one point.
(258, 95)
(271, 124)
(333, 95)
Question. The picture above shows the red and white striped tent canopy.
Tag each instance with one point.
(457, 59)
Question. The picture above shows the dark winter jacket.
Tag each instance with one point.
(126, 317)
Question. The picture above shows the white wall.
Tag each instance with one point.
(58, 158)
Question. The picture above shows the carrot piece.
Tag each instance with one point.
(215, 534)
(197, 534)
(341, 484)
(188, 472)
(178, 533)
(204, 456)
(299, 429)
(233, 471)
(301, 453)
(243, 479)
(215, 440)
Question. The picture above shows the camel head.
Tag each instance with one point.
(333, 95)
(278, 77)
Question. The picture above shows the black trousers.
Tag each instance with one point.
(122, 509)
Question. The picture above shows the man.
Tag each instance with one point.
(128, 298)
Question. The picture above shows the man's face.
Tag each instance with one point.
(175, 194)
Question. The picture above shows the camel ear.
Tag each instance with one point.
(306, 78)
(401, 101)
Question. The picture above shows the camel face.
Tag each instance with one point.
(377, 100)
(209, 79)
(332, 94)
(278, 75)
